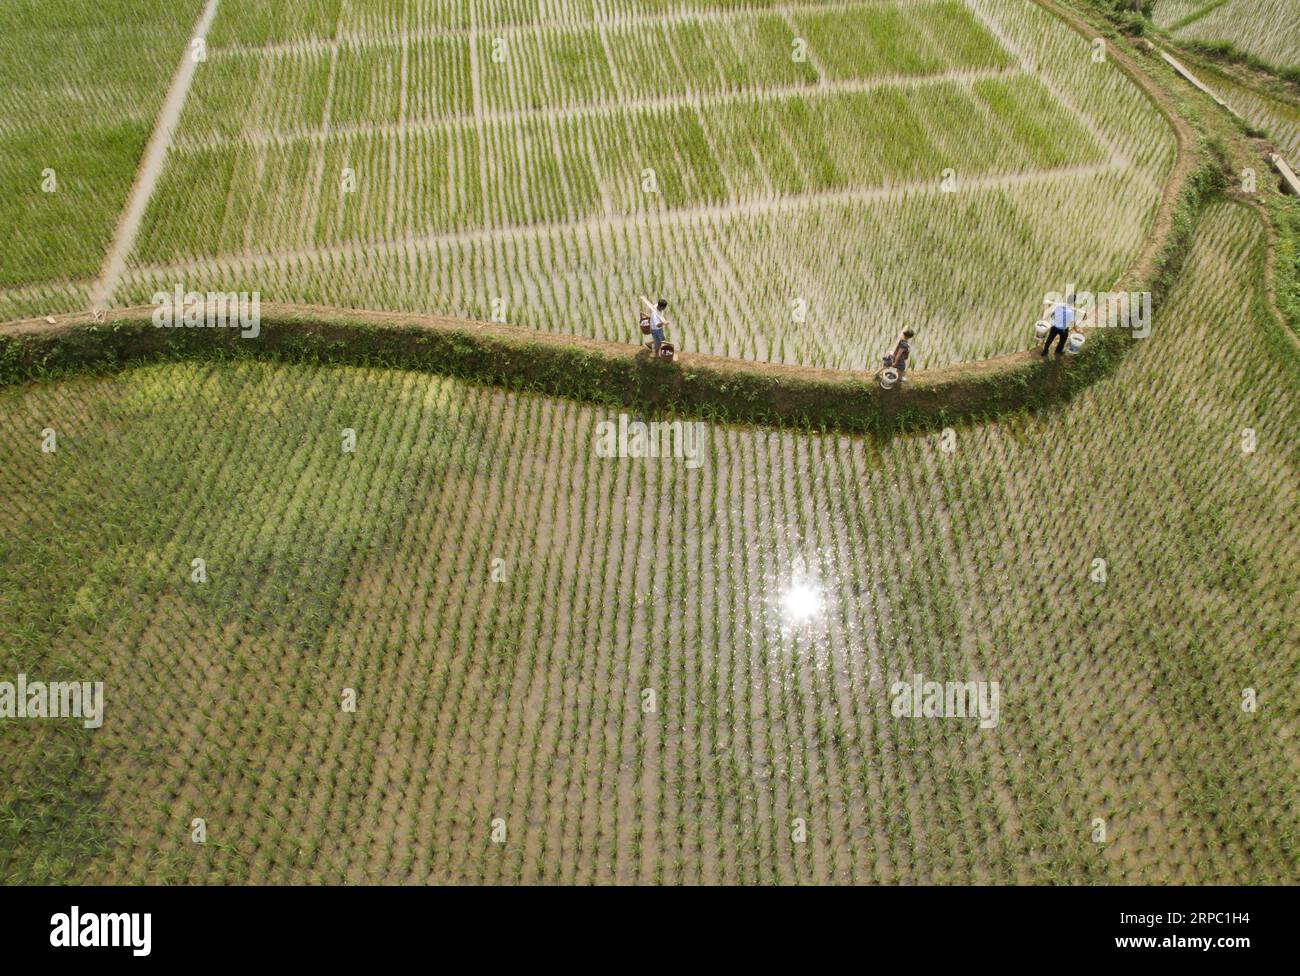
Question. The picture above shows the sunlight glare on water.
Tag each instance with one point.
(801, 603)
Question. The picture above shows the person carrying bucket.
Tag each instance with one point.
(901, 354)
(656, 322)
(1061, 319)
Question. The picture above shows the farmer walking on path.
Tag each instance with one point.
(658, 323)
(1062, 319)
(902, 352)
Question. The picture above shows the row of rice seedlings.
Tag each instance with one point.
(238, 92)
(47, 298)
(967, 271)
(571, 65)
(547, 69)
(254, 22)
(74, 118)
(882, 40)
(368, 84)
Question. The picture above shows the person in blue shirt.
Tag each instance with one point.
(1062, 318)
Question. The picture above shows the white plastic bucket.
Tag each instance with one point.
(1041, 328)
(1075, 342)
(888, 377)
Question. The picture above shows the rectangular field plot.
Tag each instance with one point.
(1097, 92)
(380, 18)
(878, 40)
(304, 192)
(550, 68)
(260, 94)
(257, 22)
(544, 170)
(576, 66)
(243, 91)
(658, 60)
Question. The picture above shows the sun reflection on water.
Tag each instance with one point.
(801, 603)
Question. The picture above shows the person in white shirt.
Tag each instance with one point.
(658, 324)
